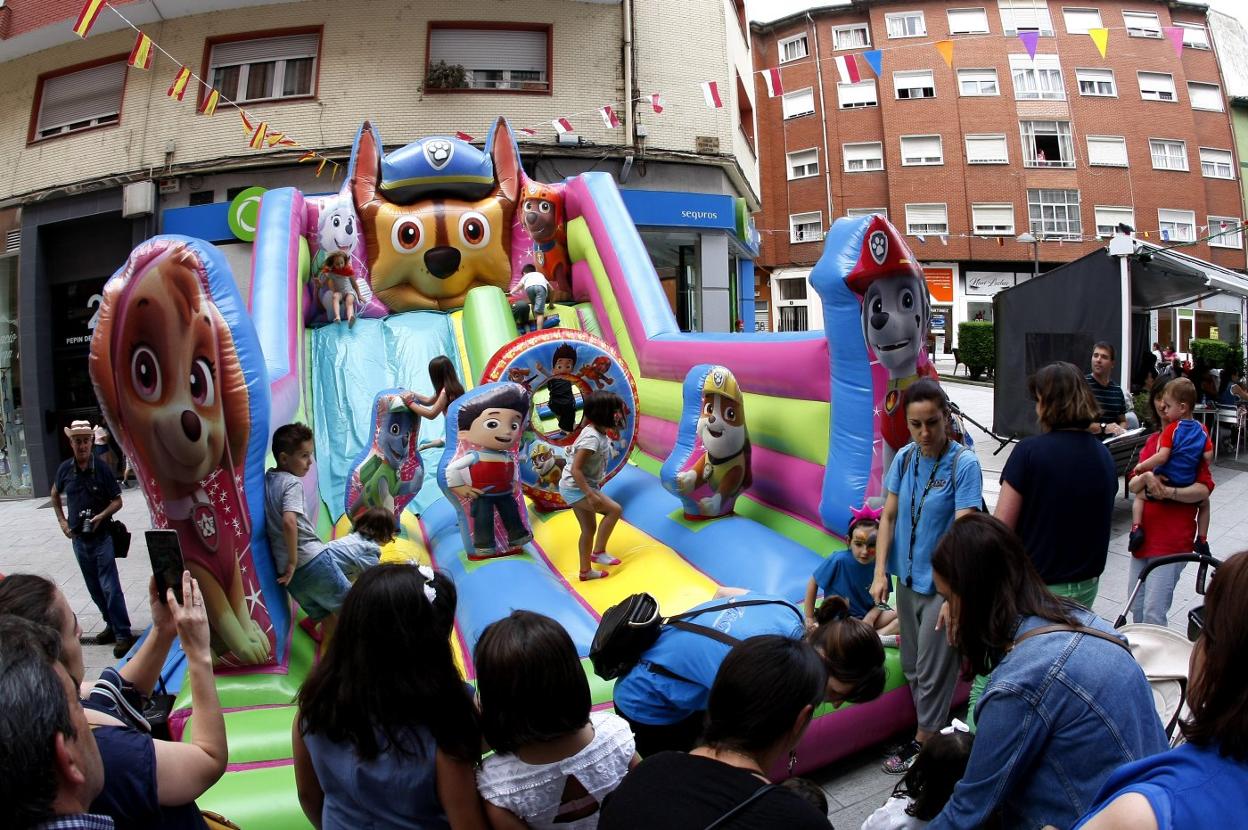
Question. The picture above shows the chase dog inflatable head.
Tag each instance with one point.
(428, 253)
(389, 472)
(710, 462)
(167, 370)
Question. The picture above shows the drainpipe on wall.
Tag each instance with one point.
(630, 135)
(823, 114)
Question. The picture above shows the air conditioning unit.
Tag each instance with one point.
(169, 186)
(138, 199)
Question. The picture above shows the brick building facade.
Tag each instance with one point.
(966, 157)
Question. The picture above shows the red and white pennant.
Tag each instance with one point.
(775, 86)
(710, 91)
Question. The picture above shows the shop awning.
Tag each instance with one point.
(1163, 277)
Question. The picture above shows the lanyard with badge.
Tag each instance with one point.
(916, 511)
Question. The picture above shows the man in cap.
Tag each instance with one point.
(90, 487)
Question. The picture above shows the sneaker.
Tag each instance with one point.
(124, 644)
(1201, 547)
(521, 540)
(1136, 540)
(104, 638)
(604, 558)
(899, 762)
(890, 640)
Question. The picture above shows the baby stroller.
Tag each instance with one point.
(1164, 654)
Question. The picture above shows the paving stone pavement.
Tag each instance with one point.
(855, 786)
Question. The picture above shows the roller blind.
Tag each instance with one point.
(494, 49)
(862, 92)
(983, 148)
(920, 146)
(1107, 150)
(993, 216)
(964, 21)
(289, 47)
(1205, 96)
(926, 214)
(82, 96)
(860, 152)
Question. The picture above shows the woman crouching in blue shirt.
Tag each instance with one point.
(1065, 705)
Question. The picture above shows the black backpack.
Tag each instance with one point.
(630, 627)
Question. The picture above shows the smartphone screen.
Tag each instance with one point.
(166, 553)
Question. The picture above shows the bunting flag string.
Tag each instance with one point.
(710, 92)
(177, 89)
(609, 119)
(1100, 37)
(87, 17)
(462, 136)
(876, 60)
(1030, 41)
(209, 106)
(847, 69)
(1175, 35)
(656, 102)
(771, 77)
(562, 125)
(945, 48)
(141, 55)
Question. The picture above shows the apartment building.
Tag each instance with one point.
(95, 156)
(965, 156)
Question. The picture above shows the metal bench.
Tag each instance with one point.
(1125, 451)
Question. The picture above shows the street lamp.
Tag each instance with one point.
(1030, 239)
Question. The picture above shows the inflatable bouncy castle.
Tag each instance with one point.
(736, 463)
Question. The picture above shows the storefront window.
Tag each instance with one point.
(675, 258)
(14, 468)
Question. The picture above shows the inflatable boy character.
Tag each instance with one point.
(895, 312)
(723, 465)
(390, 471)
(491, 425)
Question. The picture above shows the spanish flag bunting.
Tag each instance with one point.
(257, 137)
(210, 102)
(288, 142)
(308, 156)
(321, 167)
(141, 54)
(86, 18)
(177, 89)
(274, 138)
(463, 136)
(247, 127)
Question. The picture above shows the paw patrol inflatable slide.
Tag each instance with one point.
(736, 462)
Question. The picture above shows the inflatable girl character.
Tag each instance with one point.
(895, 314)
(168, 376)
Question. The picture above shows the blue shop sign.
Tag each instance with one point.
(665, 208)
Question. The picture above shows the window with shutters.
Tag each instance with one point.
(248, 69)
(806, 227)
(993, 220)
(1107, 150)
(867, 211)
(978, 82)
(852, 96)
(989, 148)
(1096, 82)
(1080, 21)
(1038, 79)
(921, 150)
(1205, 96)
(1109, 217)
(803, 163)
(856, 36)
(905, 24)
(798, 102)
(1226, 232)
(1195, 36)
(918, 83)
(79, 99)
(1216, 164)
(1176, 225)
(502, 57)
(1168, 154)
(863, 157)
(1142, 24)
(792, 48)
(1047, 144)
(1157, 86)
(1054, 213)
(923, 219)
(968, 21)
(1025, 16)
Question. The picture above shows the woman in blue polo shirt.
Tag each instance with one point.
(932, 481)
(664, 696)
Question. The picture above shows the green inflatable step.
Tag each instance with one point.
(258, 799)
(255, 735)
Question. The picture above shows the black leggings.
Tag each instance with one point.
(681, 736)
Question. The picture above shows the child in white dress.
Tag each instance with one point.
(928, 783)
(554, 761)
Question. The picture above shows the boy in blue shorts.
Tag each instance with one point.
(317, 574)
(848, 573)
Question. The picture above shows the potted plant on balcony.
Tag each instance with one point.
(443, 75)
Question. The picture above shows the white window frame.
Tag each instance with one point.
(914, 75)
(980, 27)
(855, 149)
(1175, 218)
(892, 17)
(1214, 163)
(63, 107)
(797, 95)
(1203, 90)
(981, 138)
(923, 160)
(304, 46)
(883, 211)
(1122, 215)
(1234, 241)
(1036, 11)
(1065, 139)
(1083, 11)
(1172, 152)
(1132, 21)
(1117, 140)
(782, 48)
(1151, 90)
(1197, 41)
(855, 104)
(1065, 228)
(1041, 78)
(812, 153)
(797, 220)
(837, 31)
(932, 228)
(1096, 77)
(979, 227)
(979, 78)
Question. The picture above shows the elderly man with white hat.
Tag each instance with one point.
(90, 487)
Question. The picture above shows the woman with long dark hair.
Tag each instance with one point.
(387, 734)
(1203, 783)
(1065, 704)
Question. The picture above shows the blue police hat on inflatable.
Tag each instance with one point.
(439, 166)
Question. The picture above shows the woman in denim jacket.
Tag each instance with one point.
(1062, 710)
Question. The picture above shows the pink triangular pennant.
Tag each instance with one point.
(1031, 40)
(1175, 35)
